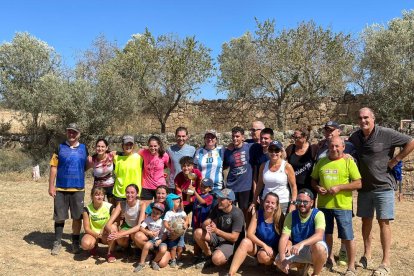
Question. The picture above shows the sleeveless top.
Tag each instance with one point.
(131, 213)
(302, 231)
(266, 231)
(302, 165)
(128, 170)
(103, 171)
(276, 182)
(98, 218)
(71, 166)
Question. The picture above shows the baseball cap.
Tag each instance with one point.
(226, 194)
(73, 126)
(211, 131)
(127, 139)
(159, 206)
(332, 124)
(306, 192)
(207, 182)
(276, 144)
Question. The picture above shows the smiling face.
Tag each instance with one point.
(274, 153)
(210, 141)
(366, 120)
(128, 148)
(72, 136)
(101, 148)
(265, 140)
(98, 197)
(156, 214)
(336, 148)
(224, 203)
(153, 147)
(304, 204)
(270, 203)
(255, 131)
(181, 138)
(187, 168)
(330, 132)
(298, 138)
(237, 139)
(131, 194)
(160, 195)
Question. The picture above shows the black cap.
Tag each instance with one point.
(332, 124)
(306, 192)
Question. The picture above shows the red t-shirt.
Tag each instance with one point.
(182, 182)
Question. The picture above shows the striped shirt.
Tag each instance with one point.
(210, 163)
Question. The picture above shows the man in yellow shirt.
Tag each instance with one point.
(335, 177)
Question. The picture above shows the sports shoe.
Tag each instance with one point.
(173, 263)
(342, 258)
(57, 246)
(139, 267)
(363, 262)
(110, 258)
(180, 263)
(94, 251)
(76, 248)
(203, 263)
(155, 266)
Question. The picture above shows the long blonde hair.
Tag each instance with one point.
(278, 217)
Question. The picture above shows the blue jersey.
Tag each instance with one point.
(210, 163)
(71, 166)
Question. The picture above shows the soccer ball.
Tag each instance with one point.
(177, 226)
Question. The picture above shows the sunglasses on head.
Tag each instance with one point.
(304, 202)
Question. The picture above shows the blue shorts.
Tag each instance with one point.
(343, 221)
(173, 243)
(380, 201)
(154, 247)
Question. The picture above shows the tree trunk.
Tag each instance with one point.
(162, 127)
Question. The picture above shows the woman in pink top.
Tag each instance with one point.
(155, 160)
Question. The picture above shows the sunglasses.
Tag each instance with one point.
(274, 150)
(304, 202)
(255, 129)
(296, 137)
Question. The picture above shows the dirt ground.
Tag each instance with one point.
(26, 237)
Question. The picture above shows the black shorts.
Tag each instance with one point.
(65, 201)
(242, 199)
(148, 194)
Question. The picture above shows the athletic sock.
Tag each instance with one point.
(59, 231)
(75, 238)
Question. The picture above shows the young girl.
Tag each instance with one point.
(95, 217)
(102, 163)
(155, 160)
(133, 213)
(153, 228)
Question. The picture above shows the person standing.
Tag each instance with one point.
(335, 177)
(240, 176)
(67, 186)
(257, 127)
(375, 147)
(176, 152)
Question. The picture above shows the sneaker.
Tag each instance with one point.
(155, 266)
(57, 246)
(342, 258)
(180, 263)
(139, 267)
(76, 248)
(94, 251)
(203, 263)
(173, 263)
(110, 258)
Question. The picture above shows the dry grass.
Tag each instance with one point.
(26, 236)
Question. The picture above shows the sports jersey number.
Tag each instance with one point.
(209, 160)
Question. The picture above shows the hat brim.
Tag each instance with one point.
(75, 129)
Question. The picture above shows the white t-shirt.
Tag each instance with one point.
(131, 213)
(154, 226)
(276, 182)
(171, 215)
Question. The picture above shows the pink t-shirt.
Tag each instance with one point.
(153, 172)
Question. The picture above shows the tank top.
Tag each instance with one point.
(71, 166)
(276, 182)
(266, 231)
(103, 171)
(302, 165)
(98, 218)
(131, 213)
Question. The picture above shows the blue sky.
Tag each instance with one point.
(71, 26)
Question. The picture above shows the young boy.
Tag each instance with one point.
(175, 214)
(201, 208)
(183, 182)
(153, 228)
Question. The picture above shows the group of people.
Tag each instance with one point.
(277, 204)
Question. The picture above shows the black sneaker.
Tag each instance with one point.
(204, 262)
(76, 249)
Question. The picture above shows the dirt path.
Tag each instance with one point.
(26, 236)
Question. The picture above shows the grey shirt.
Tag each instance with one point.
(373, 155)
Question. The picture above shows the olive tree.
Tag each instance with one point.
(163, 71)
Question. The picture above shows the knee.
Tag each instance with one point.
(245, 243)
(198, 233)
(262, 257)
(218, 258)
(319, 249)
(87, 243)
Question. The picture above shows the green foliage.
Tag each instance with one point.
(163, 71)
(385, 71)
(28, 68)
(298, 65)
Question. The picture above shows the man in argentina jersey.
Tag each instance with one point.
(209, 159)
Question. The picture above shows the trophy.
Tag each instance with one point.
(192, 176)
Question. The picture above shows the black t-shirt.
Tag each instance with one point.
(302, 165)
(373, 155)
(228, 222)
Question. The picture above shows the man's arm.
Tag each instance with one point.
(318, 236)
(409, 147)
(353, 185)
(52, 178)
